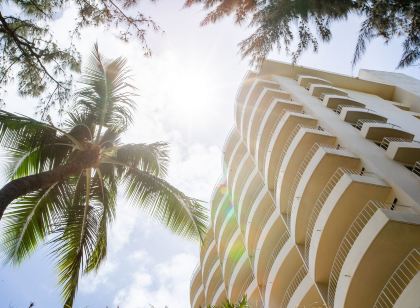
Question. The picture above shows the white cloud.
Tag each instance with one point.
(127, 219)
(120, 235)
(139, 256)
(195, 168)
(186, 94)
(90, 283)
(162, 285)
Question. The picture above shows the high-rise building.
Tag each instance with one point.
(319, 201)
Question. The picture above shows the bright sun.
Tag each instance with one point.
(187, 85)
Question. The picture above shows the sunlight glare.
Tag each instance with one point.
(186, 83)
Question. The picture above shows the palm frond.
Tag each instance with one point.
(181, 214)
(43, 157)
(32, 146)
(76, 232)
(104, 192)
(20, 133)
(110, 138)
(29, 220)
(107, 93)
(75, 213)
(152, 158)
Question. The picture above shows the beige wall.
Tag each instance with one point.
(378, 91)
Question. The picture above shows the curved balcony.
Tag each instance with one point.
(318, 156)
(375, 249)
(411, 295)
(254, 295)
(261, 106)
(234, 252)
(260, 212)
(244, 88)
(407, 153)
(230, 144)
(208, 239)
(320, 90)
(209, 258)
(285, 162)
(247, 283)
(313, 173)
(378, 131)
(414, 114)
(268, 124)
(305, 294)
(347, 242)
(223, 209)
(245, 169)
(247, 190)
(220, 295)
(401, 289)
(319, 203)
(306, 81)
(273, 236)
(319, 187)
(353, 114)
(199, 299)
(401, 106)
(241, 279)
(218, 194)
(333, 101)
(228, 229)
(259, 109)
(285, 267)
(293, 285)
(268, 157)
(240, 153)
(214, 280)
(415, 170)
(255, 94)
(321, 182)
(267, 265)
(251, 190)
(196, 283)
(347, 198)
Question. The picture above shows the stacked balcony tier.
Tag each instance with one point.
(297, 220)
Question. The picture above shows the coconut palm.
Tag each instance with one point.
(64, 180)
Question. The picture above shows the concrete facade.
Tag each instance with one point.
(319, 202)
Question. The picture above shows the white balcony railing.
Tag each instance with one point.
(347, 242)
(287, 145)
(270, 133)
(387, 140)
(416, 168)
(340, 108)
(273, 256)
(399, 280)
(256, 303)
(246, 284)
(273, 128)
(252, 200)
(293, 285)
(298, 176)
(196, 269)
(263, 222)
(360, 122)
(320, 203)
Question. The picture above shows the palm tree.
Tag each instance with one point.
(64, 180)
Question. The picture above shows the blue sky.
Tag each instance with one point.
(187, 92)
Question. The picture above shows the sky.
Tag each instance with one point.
(187, 90)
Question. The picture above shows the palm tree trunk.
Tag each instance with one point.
(25, 185)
